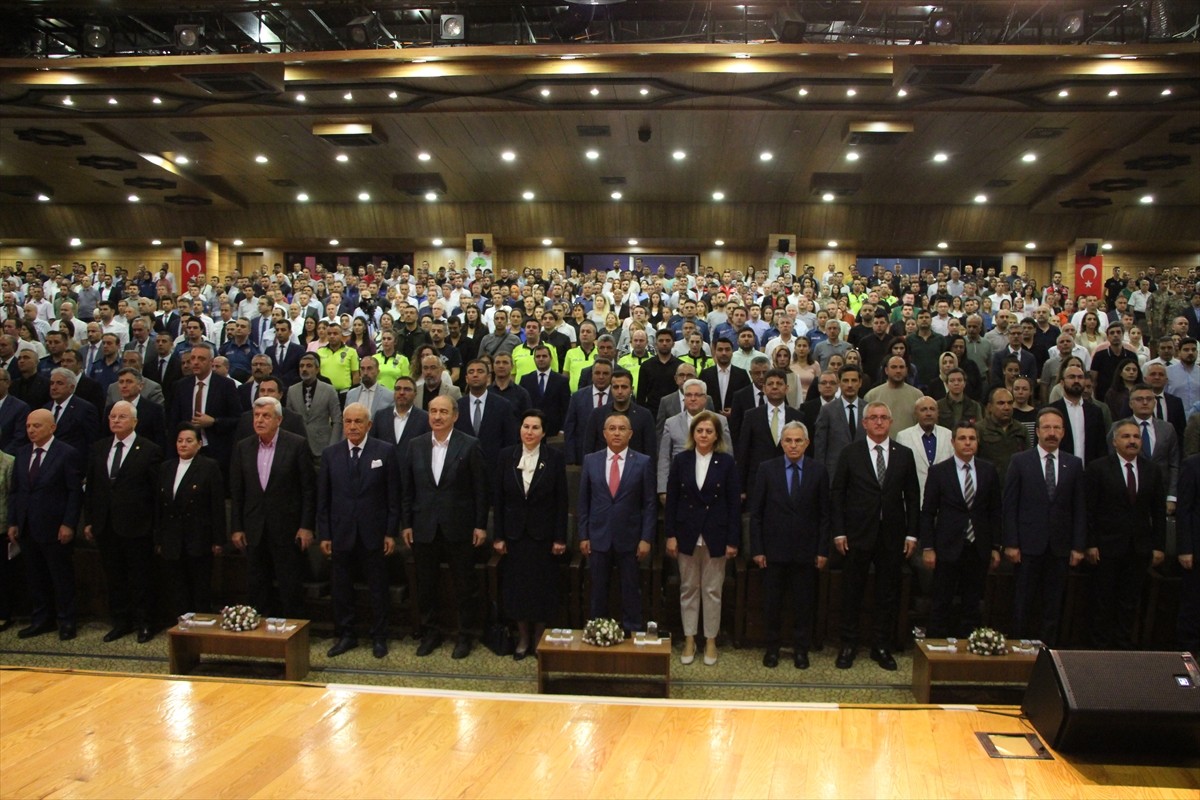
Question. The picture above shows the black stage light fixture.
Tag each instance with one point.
(452, 27)
(1072, 24)
(95, 38)
(363, 32)
(189, 37)
(943, 26)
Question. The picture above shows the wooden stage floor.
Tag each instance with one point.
(68, 734)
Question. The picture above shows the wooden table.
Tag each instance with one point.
(620, 660)
(939, 666)
(186, 645)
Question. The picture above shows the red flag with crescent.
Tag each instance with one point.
(192, 265)
(1088, 272)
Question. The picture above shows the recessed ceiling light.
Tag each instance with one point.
(156, 242)
(828, 197)
(1106, 246)
(718, 196)
(508, 155)
(342, 158)
(333, 242)
(1030, 245)
(1166, 92)
(902, 93)
(741, 55)
(615, 195)
(1146, 199)
(133, 198)
(1029, 158)
(633, 241)
(43, 198)
(527, 195)
(643, 92)
(112, 101)
(1063, 93)
(567, 58)
(940, 157)
(393, 95)
(852, 156)
(594, 91)
(181, 160)
(1113, 93)
(765, 156)
(348, 96)
(719, 243)
(300, 98)
(237, 242)
(431, 196)
(261, 159)
(547, 242)
(68, 101)
(157, 101)
(545, 92)
(363, 196)
(831, 243)
(76, 241)
(981, 198)
(592, 155)
(679, 155)
(851, 92)
(423, 156)
(803, 92)
(943, 245)
(302, 198)
(436, 242)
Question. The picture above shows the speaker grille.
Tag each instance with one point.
(1092, 680)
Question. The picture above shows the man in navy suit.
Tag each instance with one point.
(617, 512)
(403, 421)
(960, 532)
(1045, 526)
(1080, 416)
(285, 354)
(485, 415)
(549, 391)
(583, 403)
(1026, 359)
(789, 538)
(13, 411)
(77, 422)
(214, 408)
(358, 515)
(43, 510)
(762, 428)
(876, 503)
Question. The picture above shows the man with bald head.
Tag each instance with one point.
(122, 478)
(43, 509)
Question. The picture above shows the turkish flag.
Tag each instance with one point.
(1087, 274)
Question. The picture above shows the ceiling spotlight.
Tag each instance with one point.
(1165, 93)
(803, 92)
(942, 245)
(68, 101)
(302, 198)
(852, 156)
(364, 197)
(508, 155)
(348, 96)
(741, 55)
(261, 159)
(943, 26)
(643, 92)
(828, 197)
(96, 38)
(831, 243)
(719, 243)
(423, 156)
(1030, 245)
(527, 195)
(851, 92)
(181, 160)
(237, 242)
(545, 92)
(342, 158)
(632, 242)
(765, 156)
(112, 101)
(189, 38)
(981, 198)
(436, 242)
(431, 196)
(547, 242)
(156, 242)
(1146, 199)
(157, 101)
(43, 198)
(76, 241)
(679, 155)
(1106, 246)
(1113, 92)
(453, 27)
(941, 158)
(566, 58)
(592, 155)
(1029, 158)
(718, 196)
(1072, 24)
(594, 91)
(393, 95)
(615, 195)
(1063, 93)
(300, 98)
(902, 93)
(333, 242)
(133, 198)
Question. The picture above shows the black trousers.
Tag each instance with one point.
(800, 578)
(428, 558)
(11, 576)
(374, 570)
(600, 566)
(966, 577)
(190, 582)
(1188, 627)
(888, 559)
(128, 563)
(279, 560)
(1044, 576)
(51, 574)
(1115, 594)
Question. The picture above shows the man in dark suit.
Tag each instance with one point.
(30, 385)
(1015, 349)
(273, 493)
(403, 421)
(827, 387)
(163, 366)
(1078, 413)
(85, 388)
(656, 376)
(122, 479)
(209, 402)
(485, 415)
(1187, 537)
(723, 379)
(583, 403)
(789, 538)
(643, 440)
(43, 509)
(445, 512)
(358, 515)
(13, 411)
(960, 532)
(1166, 405)
(876, 503)
(149, 418)
(840, 422)
(77, 422)
(292, 421)
(260, 368)
(1127, 534)
(1045, 522)
(763, 426)
(549, 391)
(285, 354)
(617, 513)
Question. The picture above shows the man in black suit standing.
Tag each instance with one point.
(358, 514)
(209, 402)
(1083, 431)
(122, 481)
(960, 532)
(285, 354)
(751, 396)
(827, 387)
(789, 538)
(77, 422)
(150, 420)
(43, 509)
(270, 386)
(723, 379)
(549, 391)
(762, 428)
(163, 365)
(485, 415)
(13, 411)
(1127, 533)
(403, 421)
(643, 440)
(273, 493)
(876, 503)
(445, 512)
(260, 368)
(1167, 406)
(1045, 522)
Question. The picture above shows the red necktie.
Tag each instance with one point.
(614, 476)
(1131, 483)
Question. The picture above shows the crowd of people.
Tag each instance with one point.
(953, 420)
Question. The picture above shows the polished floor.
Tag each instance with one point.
(66, 734)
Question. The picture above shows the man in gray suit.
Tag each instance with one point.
(672, 403)
(1159, 442)
(317, 402)
(835, 426)
(151, 390)
(368, 392)
(675, 431)
(431, 384)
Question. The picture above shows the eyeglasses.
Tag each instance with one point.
(877, 418)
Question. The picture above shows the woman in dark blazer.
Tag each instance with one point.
(704, 527)
(530, 529)
(189, 521)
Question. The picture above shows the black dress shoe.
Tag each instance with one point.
(117, 632)
(883, 658)
(34, 630)
(519, 655)
(800, 659)
(771, 659)
(66, 632)
(145, 634)
(342, 645)
(379, 648)
(845, 658)
(5, 625)
(462, 647)
(429, 643)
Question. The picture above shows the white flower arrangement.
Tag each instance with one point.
(239, 618)
(987, 642)
(603, 632)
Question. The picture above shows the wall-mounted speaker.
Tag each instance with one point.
(477, 245)
(1090, 250)
(784, 246)
(191, 246)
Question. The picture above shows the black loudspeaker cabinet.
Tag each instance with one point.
(784, 245)
(191, 246)
(1091, 249)
(1081, 700)
(477, 245)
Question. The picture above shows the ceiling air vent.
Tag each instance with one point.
(947, 76)
(191, 137)
(231, 82)
(612, 180)
(418, 184)
(876, 132)
(593, 130)
(349, 134)
(841, 184)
